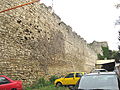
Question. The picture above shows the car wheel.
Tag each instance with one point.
(13, 89)
(58, 84)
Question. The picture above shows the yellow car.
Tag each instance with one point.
(69, 79)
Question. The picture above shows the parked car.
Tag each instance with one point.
(98, 70)
(101, 81)
(8, 84)
(69, 79)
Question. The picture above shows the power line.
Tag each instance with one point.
(19, 6)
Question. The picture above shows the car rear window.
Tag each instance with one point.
(99, 82)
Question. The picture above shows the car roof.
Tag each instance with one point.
(99, 69)
(101, 73)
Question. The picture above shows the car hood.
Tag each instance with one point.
(60, 79)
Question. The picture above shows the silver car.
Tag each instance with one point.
(98, 81)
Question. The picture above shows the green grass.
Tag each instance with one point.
(50, 87)
(42, 84)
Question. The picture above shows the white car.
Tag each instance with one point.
(98, 81)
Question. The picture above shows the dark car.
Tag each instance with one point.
(98, 81)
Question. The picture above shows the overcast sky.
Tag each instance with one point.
(91, 19)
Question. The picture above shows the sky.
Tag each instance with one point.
(91, 19)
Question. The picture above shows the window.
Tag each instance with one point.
(78, 75)
(3, 80)
(107, 82)
(71, 75)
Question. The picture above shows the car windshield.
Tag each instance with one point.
(99, 82)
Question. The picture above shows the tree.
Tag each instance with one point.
(108, 54)
(117, 56)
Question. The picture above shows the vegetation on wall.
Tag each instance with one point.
(107, 54)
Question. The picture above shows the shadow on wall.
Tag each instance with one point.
(48, 50)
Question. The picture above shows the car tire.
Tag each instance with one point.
(13, 89)
(59, 84)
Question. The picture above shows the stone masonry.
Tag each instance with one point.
(35, 42)
(97, 46)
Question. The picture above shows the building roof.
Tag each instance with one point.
(104, 61)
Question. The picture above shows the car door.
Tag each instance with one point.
(69, 79)
(77, 77)
(5, 84)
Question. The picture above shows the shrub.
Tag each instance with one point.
(41, 83)
(53, 78)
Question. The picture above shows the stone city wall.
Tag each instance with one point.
(97, 46)
(34, 42)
